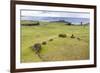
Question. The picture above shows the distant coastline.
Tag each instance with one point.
(72, 20)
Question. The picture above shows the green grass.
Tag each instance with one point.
(59, 49)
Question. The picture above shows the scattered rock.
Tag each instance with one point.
(62, 35)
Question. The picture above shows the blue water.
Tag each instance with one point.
(53, 19)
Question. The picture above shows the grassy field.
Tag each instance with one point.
(59, 49)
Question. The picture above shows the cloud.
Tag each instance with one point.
(41, 13)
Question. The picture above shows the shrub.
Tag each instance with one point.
(62, 35)
(50, 39)
(37, 47)
(44, 43)
(72, 36)
(68, 23)
(78, 38)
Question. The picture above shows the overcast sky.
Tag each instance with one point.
(55, 14)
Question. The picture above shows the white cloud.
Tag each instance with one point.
(55, 14)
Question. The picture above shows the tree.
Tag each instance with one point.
(81, 23)
(69, 23)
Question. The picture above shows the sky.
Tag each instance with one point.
(42, 13)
